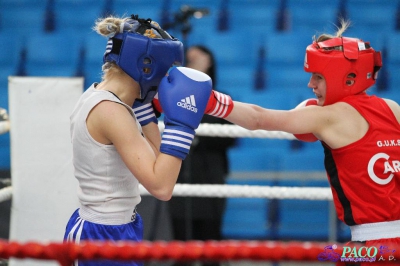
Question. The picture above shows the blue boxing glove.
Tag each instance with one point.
(144, 113)
(183, 96)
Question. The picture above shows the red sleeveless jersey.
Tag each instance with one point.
(365, 175)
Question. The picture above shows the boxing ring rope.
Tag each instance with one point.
(66, 253)
(4, 126)
(231, 191)
(223, 130)
(249, 191)
(234, 131)
(5, 194)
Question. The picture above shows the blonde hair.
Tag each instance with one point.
(344, 25)
(108, 27)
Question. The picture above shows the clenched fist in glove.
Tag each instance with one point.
(183, 97)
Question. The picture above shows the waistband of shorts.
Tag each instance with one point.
(114, 218)
(374, 231)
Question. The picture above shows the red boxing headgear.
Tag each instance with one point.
(348, 65)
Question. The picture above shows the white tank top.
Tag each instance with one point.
(108, 192)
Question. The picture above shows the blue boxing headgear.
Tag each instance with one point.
(145, 52)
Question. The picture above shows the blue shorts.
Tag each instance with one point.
(78, 230)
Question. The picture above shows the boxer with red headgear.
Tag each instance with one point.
(359, 133)
(349, 66)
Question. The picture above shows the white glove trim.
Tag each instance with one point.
(194, 74)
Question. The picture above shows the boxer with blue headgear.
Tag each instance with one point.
(116, 141)
(145, 52)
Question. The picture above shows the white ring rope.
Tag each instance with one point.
(211, 130)
(231, 191)
(239, 191)
(249, 191)
(4, 127)
(5, 194)
(234, 131)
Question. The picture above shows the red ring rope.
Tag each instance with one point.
(66, 253)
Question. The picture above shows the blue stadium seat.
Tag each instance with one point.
(343, 232)
(95, 46)
(5, 72)
(303, 219)
(22, 3)
(283, 145)
(177, 4)
(9, 62)
(253, 17)
(4, 138)
(247, 218)
(5, 162)
(394, 81)
(393, 93)
(323, 15)
(288, 47)
(22, 17)
(272, 98)
(233, 49)
(11, 47)
(393, 40)
(373, 15)
(52, 55)
(9, 59)
(393, 61)
(206, 26)
(78, 16)
(254, 159)
(145, 9)
(236, 78)
(288, 79)
(304, 160)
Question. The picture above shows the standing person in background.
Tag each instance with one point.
(114, 147)
(207, 163)
(360, 134)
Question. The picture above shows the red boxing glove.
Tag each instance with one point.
(219, 104)
(307, 137)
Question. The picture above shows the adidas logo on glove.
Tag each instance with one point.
(188, 103)
(188, 89)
